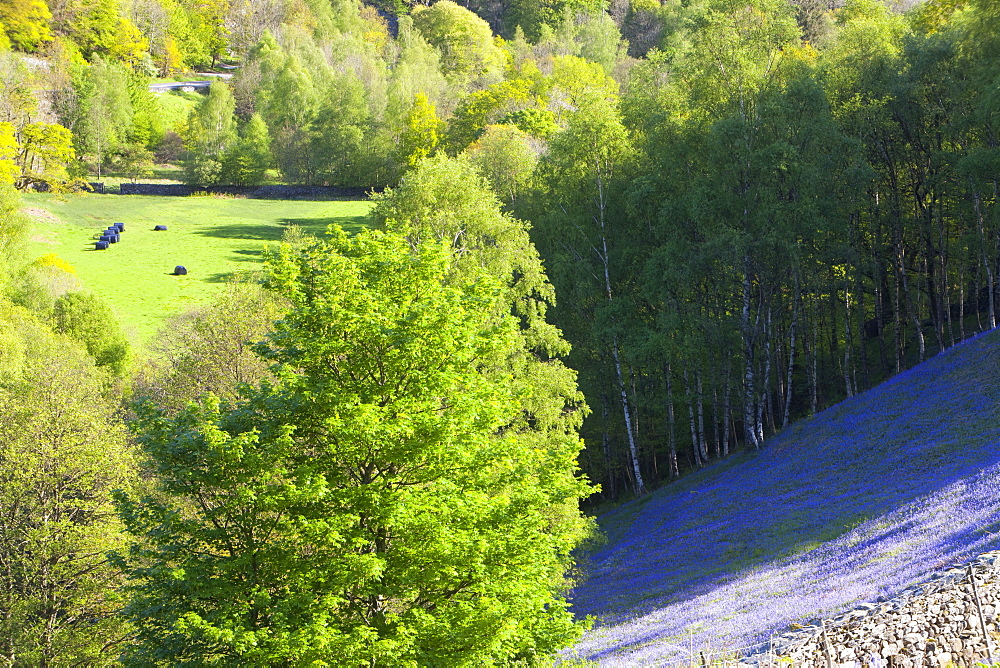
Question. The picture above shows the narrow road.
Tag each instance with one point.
(187, 85)
(175, 85)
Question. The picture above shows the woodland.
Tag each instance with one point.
(612, 243)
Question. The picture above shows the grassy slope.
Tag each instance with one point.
(867, 497)
(211, 237)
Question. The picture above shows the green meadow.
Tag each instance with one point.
(212, 237)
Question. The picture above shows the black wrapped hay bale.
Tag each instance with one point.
(120, 226)
(179, 270)
(101, 245)
(160, 228)
(105, 238)
(113, 238)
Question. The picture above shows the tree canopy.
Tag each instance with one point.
(371, 505)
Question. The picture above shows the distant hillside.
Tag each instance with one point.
(856, 503)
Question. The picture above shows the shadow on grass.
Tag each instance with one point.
(318, 226)
(243, 231)
(248, 255)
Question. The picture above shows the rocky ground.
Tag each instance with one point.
(938, 623)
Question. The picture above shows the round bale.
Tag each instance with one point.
(101, 245)
(180, 271)
(160, 228)
(120, 226)
(113, 238)
(105, 238)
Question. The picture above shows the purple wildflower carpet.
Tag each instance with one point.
(856, 503)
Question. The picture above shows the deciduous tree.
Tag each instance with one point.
(373, 505)
(61, 455)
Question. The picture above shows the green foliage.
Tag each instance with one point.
(61, 455)
(487, 106)
(147, 125)
(134, 161)
(446, 199)
(38, 285)
(427, 207)
(208, 349)
(18, 104)
(340, 135)
(506, 156)
(468, 53)
(248, 160)
(289, 106)
(209, 135)
(416, 70)
(575, 83)
(88, 319)
(535, 17)
(540, 123)
(105, 112)
(370, 507)
(99, 29)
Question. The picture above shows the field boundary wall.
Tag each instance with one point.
(250, 192)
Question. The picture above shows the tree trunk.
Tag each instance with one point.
(728, 409)
(671, 423)
(633, 449)
(716, 446)
(606, 443)
(791, 354)
(694, 431)
(985, 260)
(847, 338)
(702, 444)
(914, 316)
(749, 392)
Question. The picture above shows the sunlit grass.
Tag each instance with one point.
(212, 237)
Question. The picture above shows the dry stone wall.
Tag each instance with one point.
(937, 623)
(252, 192)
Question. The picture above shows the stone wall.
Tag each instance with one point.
(933, 624)
(252, 192)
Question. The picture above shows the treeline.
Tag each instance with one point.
(761, 226)
(336, 93)
(353, 103)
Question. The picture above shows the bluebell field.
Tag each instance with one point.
(867, 497)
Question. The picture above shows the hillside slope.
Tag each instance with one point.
(865, 498)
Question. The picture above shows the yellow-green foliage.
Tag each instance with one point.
(53, 260)
(26, 23)
(8, 154)
(46, 151)
(422, 133)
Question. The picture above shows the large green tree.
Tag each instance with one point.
(381, 503)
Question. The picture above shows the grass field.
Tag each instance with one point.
(212, 237)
